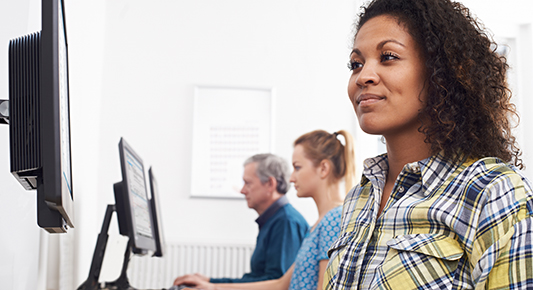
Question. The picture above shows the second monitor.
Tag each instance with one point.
(133, 205)
(138, 219)
(156, 215)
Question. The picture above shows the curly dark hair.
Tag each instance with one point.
(468, 112)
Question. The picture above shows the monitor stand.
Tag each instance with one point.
(122, 282)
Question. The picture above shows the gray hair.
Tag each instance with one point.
(270, 165)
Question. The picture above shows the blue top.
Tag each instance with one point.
(281, 232)
(314, 249)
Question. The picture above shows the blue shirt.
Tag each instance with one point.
(315, 249)
(281, 232)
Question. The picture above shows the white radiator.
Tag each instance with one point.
(212, 260)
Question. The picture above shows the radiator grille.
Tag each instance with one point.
(212, 260)
(24, 106)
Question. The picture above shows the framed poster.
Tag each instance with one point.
(229, 125)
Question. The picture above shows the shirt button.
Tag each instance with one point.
(401, 189)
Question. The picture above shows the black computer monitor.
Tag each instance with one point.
(132, 202)
(156, 215)
(137, 214)
(39, 118)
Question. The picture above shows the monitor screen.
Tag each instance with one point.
(156, 215)
(39, 117)
(132, 202)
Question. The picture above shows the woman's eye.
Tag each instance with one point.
(353, 65)
(388, 56)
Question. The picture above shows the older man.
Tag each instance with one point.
(281, 227)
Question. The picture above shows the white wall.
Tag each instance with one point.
(133, 67)
(153, 57)
(20, 238)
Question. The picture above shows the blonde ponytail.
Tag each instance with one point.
(319, 145)
(349, 160)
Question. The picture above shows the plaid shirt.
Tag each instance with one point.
(445, 226)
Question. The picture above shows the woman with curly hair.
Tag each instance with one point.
(446, 207)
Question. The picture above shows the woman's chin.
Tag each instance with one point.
(300, 194)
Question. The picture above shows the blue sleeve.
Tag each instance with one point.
(284, 240)
(223, 280)
(329, 229)
(248, 277)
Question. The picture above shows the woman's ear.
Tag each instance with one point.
(324, 168)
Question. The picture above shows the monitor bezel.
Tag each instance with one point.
(156, 215)
(57, 184)
(140, 244)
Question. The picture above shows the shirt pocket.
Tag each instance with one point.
(435, 245)
(419, 261)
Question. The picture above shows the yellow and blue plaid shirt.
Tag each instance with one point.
(445, 226)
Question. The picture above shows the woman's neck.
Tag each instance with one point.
(330, 197)
(401, 152)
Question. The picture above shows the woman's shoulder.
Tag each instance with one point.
(489, 170)
(488, 163)
(336, 211)
(333, 216)
(490, 179)
(329, 227)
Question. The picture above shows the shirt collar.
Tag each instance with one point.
(271, 210)
(434, 169)
(376, 167)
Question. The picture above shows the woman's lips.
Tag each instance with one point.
(367, 99)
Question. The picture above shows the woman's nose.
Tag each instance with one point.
(367, 75)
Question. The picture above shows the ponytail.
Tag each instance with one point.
(349, 159)
(319, 145)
